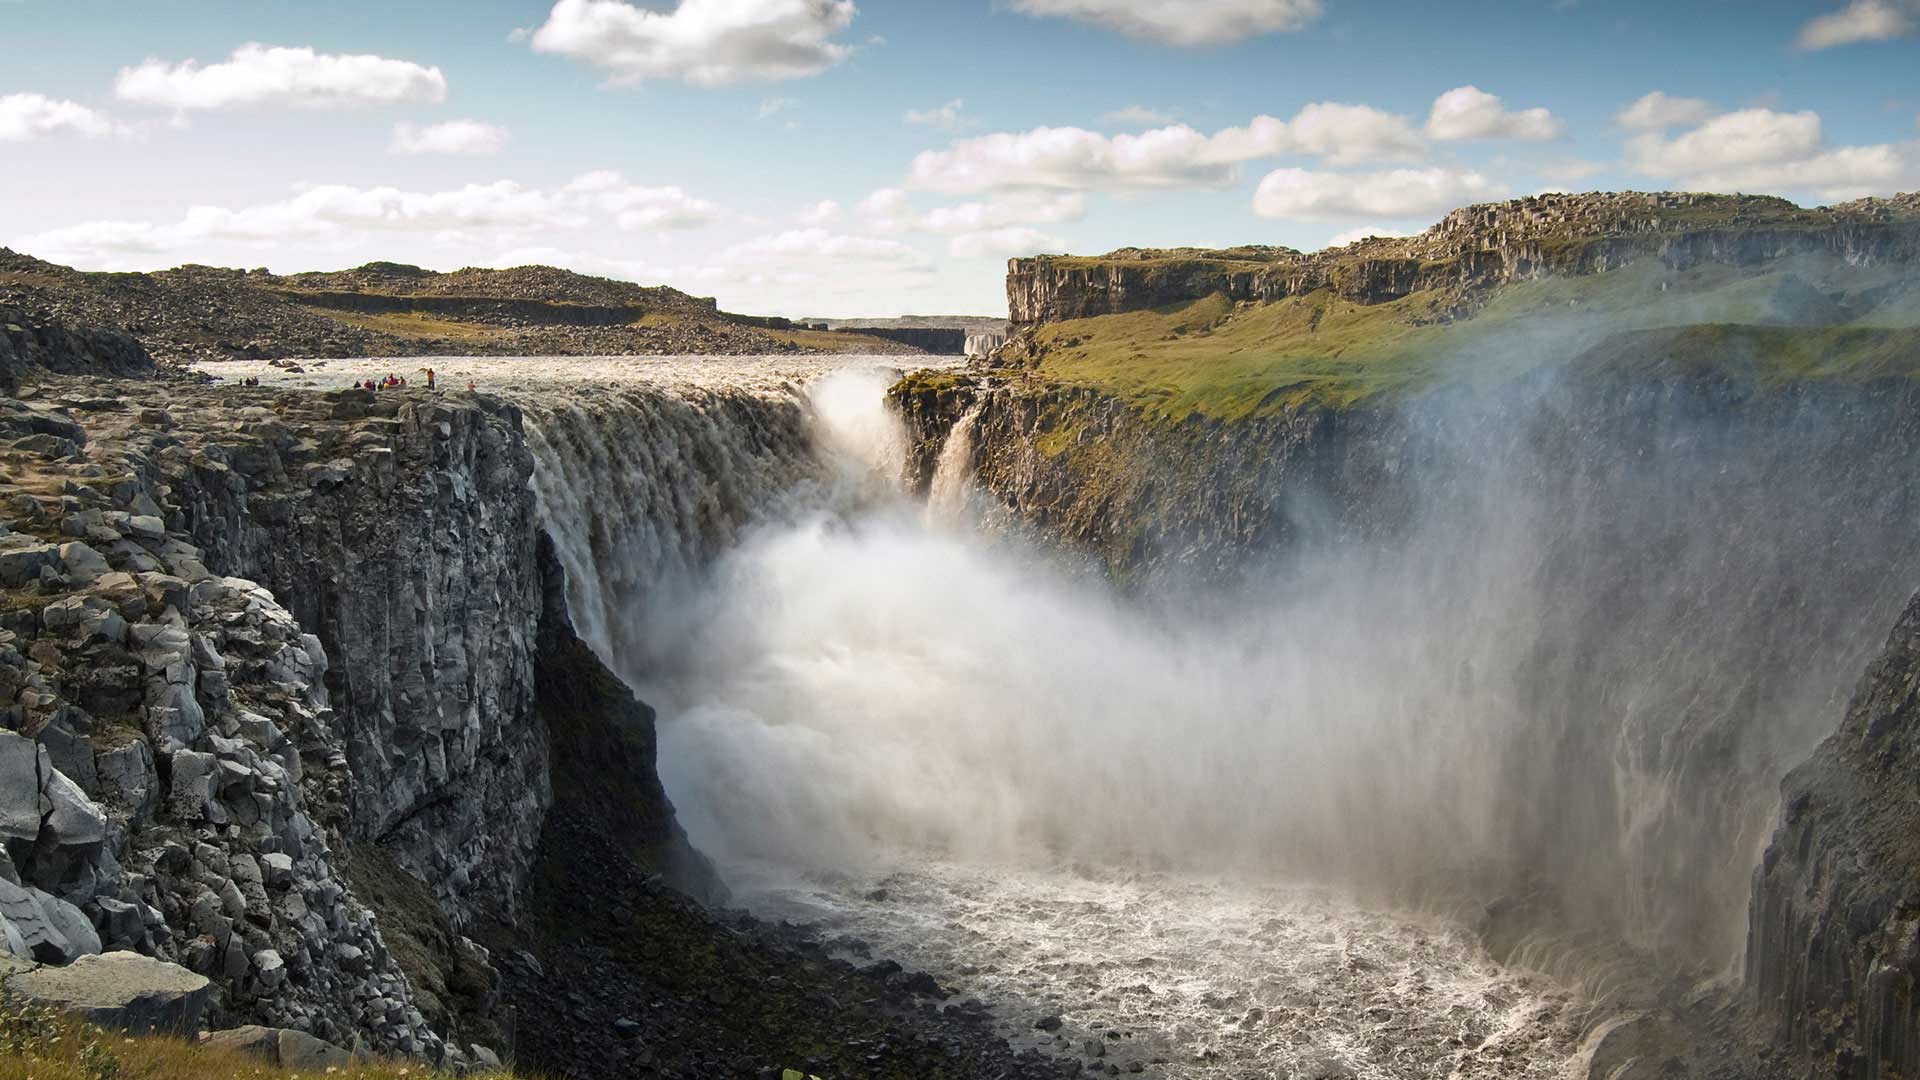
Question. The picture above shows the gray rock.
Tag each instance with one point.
(128, 779)
(12, 945)
(73, 924)
(71, 753)
(122, 990)
(73, 819)
(294, 1051)
(20, 564)
(38, 931)
(123, 925)
(191, 790)
(277, 869)
(22, 763)
(83, 564)
(269, 969)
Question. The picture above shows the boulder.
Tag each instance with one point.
(295, 1051)
(13, 947)
(73, 924)
(84, 564)
(21, 564)
(73, 819)
(38, 931)
(21, 760)
(121, 990)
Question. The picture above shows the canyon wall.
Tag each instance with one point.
(402, 533)
(1833, 950)
(309, 673)
(1473, 250)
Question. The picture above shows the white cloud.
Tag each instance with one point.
(1747, 137)
(1860, 20)
(824, 212)
(632, 206)
(1000, 214)
(887, 210)
(1399, 193)
(1176, 156)
(1657, 111)
(1759, 150)
(339, 215)
(268, 75)
(1570, 170)
(1845, 173)
(1005, 243)
(1184, 22)
(946, 117)
(1139, 116)
(1468, 112)
(1354, 134)
(774, 106)
(802, 245)
(452, 137)
(703, 42)
(315, 212)
(30, 116)
(890, 211)
(1354, 236)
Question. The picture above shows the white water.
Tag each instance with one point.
(1087, 805)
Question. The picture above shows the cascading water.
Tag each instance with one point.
(1547, 668)
(953, 472)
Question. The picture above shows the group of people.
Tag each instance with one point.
(399, 382)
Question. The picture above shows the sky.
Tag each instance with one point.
(883, 157)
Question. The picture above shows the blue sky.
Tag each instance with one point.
(887, 156)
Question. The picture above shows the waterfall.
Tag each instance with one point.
(644, 485)
(1571, 664)
(953, 472)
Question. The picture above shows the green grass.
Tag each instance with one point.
(1215, 358)
(38, 1043)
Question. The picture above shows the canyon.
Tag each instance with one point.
(1381, 662)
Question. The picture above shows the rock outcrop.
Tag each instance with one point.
(401, 531)
(34, 343)
(1473, 250)
(1833, 947)
(121, 991)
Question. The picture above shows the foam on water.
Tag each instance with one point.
(1200, 977)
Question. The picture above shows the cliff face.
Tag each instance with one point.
(1833, 951)
(1474, 250)
(178, 723)
(401, 532)
(244, 783)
